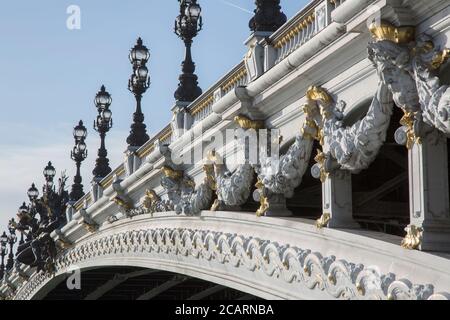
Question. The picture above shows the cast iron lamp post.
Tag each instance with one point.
(138, 84)
(102, 125)
(23, 209)
(12, 239)
(78, 154)
(3, 253)
(187, 25)
(268, 16)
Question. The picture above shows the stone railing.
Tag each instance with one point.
(202, 107)
(306, 24)
(164, 136)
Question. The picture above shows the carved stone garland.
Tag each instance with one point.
(233, 188)
(277, 178)
(351, 148)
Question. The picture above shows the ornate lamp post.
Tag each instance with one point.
(12, 239)
(78, 154)
(187, 25)
(23, 209)
(33, 194)
(138, 84)
(3, 253)
(268, 16)
(49, 175)
(102, 125)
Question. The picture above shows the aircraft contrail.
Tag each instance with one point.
(236, 6)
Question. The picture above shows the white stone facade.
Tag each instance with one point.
(151, 212)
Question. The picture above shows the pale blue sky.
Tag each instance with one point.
(49, 76)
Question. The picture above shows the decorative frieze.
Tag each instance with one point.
(279, 263)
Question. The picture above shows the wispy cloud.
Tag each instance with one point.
(236, 6)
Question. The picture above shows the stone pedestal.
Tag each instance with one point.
(254, 59)
(132, 161)
(97, 190)
(337, 199)
(70, 211)
(181, 120)
(277, 206)
(429, 192)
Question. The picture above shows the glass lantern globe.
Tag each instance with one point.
(81, 147)
(80, 131)
(12, 227)
(33, 192)
(193, 11)
(142, 73)
(103, 99)
(23, 208)
(49, 171)
(106, 115)
(4, 239)
(139, 55)
(49, 184)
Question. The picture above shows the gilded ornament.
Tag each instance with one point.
(440, 58)
(215, 205)
(323, 220)
(210, 178)
(122, 203)
(360, 289)
(413, 237)
(319, 94)
(171, 173)
(408, 122)
(263, 201)
(320, 159)
(332, 279)
(388, 32)
(150, 198)
(246, 123)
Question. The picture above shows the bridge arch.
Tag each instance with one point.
(255, 255)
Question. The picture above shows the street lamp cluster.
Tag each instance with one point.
(47, 213)
(187, 25)
(102, 125)
(78, 154)
(138, 84)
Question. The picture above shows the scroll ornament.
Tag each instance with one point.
(434, 98)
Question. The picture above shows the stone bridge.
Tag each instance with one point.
(366, 216)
